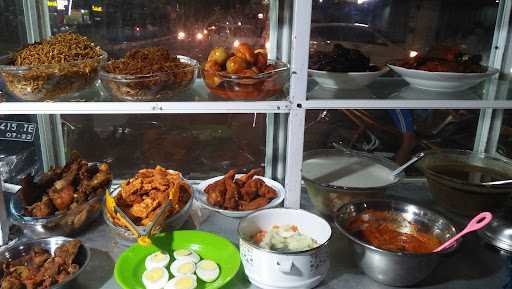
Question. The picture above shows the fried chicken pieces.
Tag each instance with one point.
(142, 196)
(241, 194)
(63, 189)
(39, 269)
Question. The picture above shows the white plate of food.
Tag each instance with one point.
(244, 207)
(442, 81)
(346, 80)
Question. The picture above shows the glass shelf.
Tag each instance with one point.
(197, 99)
(397, 93)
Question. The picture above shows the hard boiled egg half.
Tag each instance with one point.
(182, 282)
(183, 267)
(157, 260)
(155, 278)
(207, 270)
(186, 254)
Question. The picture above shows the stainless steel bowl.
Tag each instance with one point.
(20, 249)
(462, 196)
(327, 197)
(392, 268)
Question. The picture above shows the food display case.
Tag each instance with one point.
(254, 144)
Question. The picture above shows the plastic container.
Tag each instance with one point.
(50, 81)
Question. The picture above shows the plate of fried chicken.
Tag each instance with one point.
(237, 195)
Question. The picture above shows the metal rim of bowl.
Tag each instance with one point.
(457, 152)
(369, 246)
(57, 238)
(248, 242)
(15, 68)
(144, 77)
(310, 155)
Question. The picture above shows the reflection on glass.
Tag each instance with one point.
(199, 146)
(190, 28)
(394, 133)
(437, 36)
(12, 33)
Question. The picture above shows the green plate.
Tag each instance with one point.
(130, 265)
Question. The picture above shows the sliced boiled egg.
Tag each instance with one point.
(183, 267)
(207, 270)
(157, 260)
(155, 278)
(186, 254)
(182, 282)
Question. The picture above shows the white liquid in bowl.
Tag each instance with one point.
(347, 171)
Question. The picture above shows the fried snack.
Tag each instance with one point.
(63, 64)
(64, 189)
(143, 73)
(142, 196)
(240, 194)
(39, 269)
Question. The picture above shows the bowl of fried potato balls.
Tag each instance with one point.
(244, 74)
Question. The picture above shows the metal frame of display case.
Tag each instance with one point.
(289, 138)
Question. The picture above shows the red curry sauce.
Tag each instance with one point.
(381, 230)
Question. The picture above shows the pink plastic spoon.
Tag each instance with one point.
(476, 223)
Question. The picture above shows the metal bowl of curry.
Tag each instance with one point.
(394, 241)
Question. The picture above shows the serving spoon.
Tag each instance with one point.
(477, 223)
(407, 164)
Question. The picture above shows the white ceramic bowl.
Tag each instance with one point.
(201, 197)
(442, 81)
(345, 80)
(270, 269)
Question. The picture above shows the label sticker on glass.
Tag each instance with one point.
(14, 130)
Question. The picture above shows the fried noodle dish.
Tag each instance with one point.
(60, 65)
(39, 269)
(142, 197)
(240, 194)
(65, 189)
(155, 68)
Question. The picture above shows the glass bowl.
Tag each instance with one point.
(240, 87)
(49, 81)
(125, 236)
(149, 87)
(60, 224)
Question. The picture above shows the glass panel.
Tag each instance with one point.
(363, 36)
(19, 147)
(199, 146)
(396, 134)
(187, 28)
(12, 34)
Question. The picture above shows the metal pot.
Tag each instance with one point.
(270, 269)
(20, 249)
(459, 195)
(334, 177)
(392, 268)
